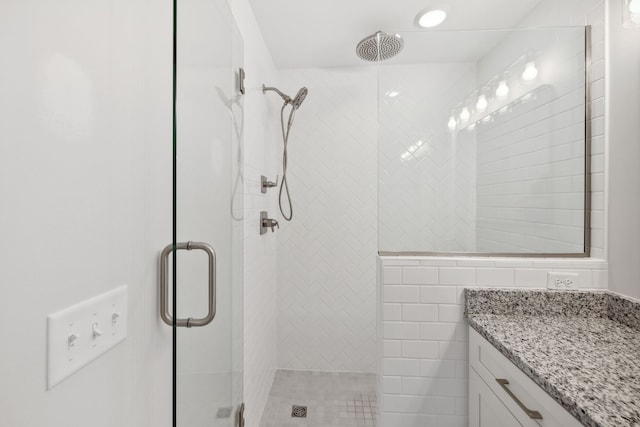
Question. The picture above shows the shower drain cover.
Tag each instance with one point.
(298, 411)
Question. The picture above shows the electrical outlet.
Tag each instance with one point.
(557, 280)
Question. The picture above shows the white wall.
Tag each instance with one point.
(85, 180)
(260, 153)
(327, 254)
(624, 149)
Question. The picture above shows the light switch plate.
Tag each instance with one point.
(80, 333)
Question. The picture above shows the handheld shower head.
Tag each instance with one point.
(295, 102)
(299, 98)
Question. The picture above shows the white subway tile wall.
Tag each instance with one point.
(595, 17)
(425, 337)
(327, 254)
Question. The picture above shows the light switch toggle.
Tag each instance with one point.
(71, 340)
(114, 318)
(96, 331)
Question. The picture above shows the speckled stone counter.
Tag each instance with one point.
(582, 348)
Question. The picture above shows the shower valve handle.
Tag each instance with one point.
(267, 223)
(270, 223)
(265, 183)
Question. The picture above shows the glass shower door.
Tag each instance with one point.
(206, 269)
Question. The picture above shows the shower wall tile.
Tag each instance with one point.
(327, 255)
(595, 16)
(426, 338)
(415, 275)
(392, 275)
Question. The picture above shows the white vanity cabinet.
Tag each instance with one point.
(500, 395)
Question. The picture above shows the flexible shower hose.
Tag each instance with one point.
(285, 140)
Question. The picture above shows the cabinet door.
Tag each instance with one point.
(485, 409)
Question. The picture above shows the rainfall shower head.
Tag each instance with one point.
(379, 46)
(295, 102)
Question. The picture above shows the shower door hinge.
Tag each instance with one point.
(241, 76)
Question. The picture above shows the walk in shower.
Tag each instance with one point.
(464, 142)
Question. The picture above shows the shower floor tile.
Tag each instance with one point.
(333, 399)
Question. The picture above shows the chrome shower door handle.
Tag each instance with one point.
(164, 285)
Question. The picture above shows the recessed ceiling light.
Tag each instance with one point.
(430, 18)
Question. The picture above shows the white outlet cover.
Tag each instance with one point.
(72, 339)
(552, 276)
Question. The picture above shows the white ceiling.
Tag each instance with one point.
(324, 33)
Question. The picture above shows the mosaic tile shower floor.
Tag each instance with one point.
(333, 399)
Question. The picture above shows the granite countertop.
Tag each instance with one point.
(582, 348)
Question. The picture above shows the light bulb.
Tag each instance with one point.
(482, 103)
(634, 6)
(503, 89)
(464, 114)
(530, 71)
(452, 123)
(392, 93)
(487, 119)
(472, 126)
